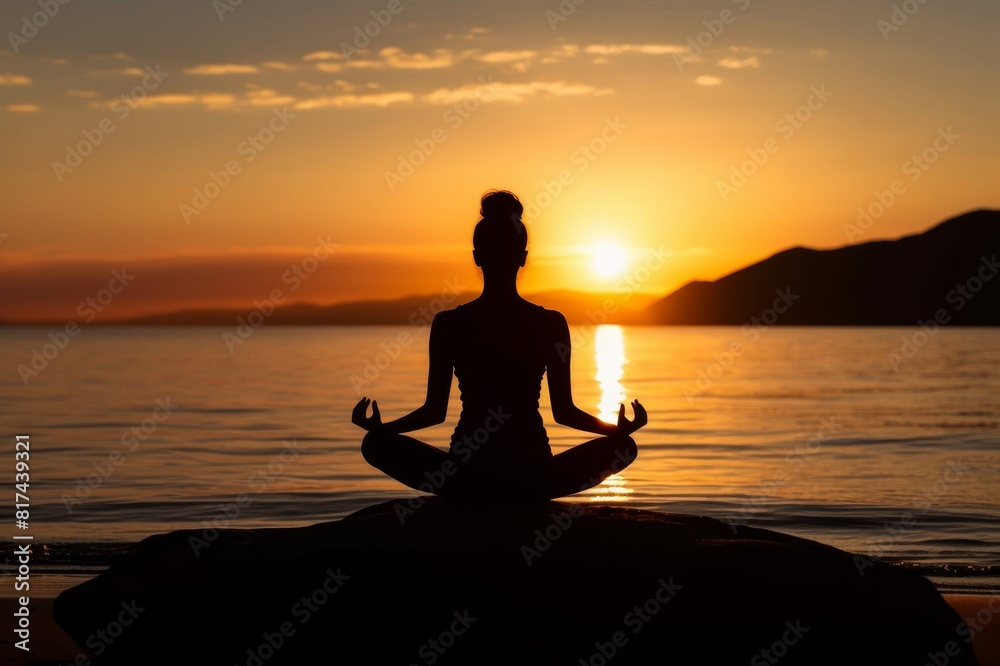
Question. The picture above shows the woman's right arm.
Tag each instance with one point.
(435, 407)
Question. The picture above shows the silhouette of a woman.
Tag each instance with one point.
(499, 346)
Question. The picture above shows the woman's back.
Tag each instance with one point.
(499, 355)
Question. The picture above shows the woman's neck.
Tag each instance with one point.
(500, 291)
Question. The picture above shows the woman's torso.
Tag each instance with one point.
(499, 357)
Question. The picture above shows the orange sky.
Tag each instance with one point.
(606, 124)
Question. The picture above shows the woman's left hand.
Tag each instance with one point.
(627, 427)
(360, 416)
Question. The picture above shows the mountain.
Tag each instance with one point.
(578, 307)
(945, 273)
(949, 272)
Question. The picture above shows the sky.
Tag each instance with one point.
(193, 153)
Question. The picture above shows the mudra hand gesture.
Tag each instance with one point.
(626, 427)
(360, 418)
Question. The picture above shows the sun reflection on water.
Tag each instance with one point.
(609, 354)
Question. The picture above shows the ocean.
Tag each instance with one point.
(879, 441)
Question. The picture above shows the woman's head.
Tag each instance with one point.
(500, 238)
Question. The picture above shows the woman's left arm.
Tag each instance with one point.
(435, 407)
(564, 410)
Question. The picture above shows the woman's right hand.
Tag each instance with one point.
(360, 416)
(626, 427)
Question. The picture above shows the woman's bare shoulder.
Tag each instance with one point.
(552, 314)
(445, 317)
(552, 318)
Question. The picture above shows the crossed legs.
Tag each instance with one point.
(429, 469)
(586, 465)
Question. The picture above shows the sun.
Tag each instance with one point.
(608, 259)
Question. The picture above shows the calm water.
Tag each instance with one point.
(807, 431)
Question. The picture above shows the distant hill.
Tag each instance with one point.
(950, 267)
(578, 307)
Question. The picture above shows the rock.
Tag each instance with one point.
(422, 582)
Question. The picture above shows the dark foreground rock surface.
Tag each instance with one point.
(560, 584)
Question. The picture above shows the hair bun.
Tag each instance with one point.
(501, 204)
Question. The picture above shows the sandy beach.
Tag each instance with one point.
(981, 613)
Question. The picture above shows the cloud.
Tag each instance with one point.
(396, 58)
(323, 55)
(732, 62)
(341, 66)
(9, 79)
(390, 57)
(329, 67)
(505, 56)
(24, 108)
(646, 49)
(564, 51)
(340, 86)
(340, 94)
(353, 101)
(512, 92)
(751, 49)
(345, 95)
(475, 32)
(267, 97)
(819, 53)
(83, 93)
(213, 101)
(220, 70)
(282, 66)
(706, 80)
(127, 71)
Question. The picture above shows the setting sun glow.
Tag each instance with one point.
(608, 259)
